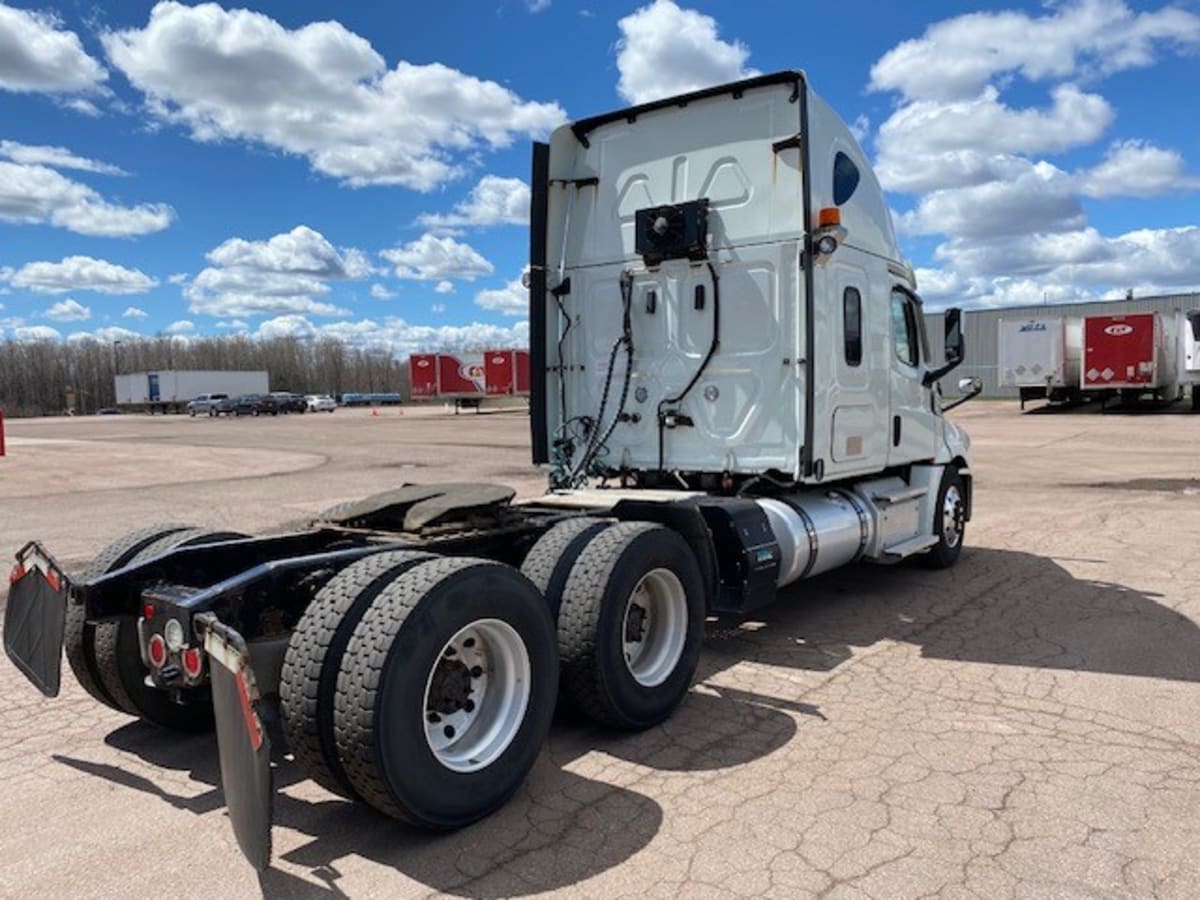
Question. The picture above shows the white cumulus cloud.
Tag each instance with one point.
(284, 274)
(437, 258)
(68, 311)
(55, 158)
(133, 312)
(35, 194)
(493, 201)
(38, 55)
(79, 273)
(957, 57)
(510, 300)
(665, 50)
(321, 92)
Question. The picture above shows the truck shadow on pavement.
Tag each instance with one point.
(996, 607)
(999, 607)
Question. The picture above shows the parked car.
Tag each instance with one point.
(288, 402)
(255, 405)
(320, 403)
(208, 404)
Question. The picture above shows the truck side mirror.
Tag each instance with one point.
(955, 347)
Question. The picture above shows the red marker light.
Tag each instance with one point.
(193, 662)
(148, 611)
(18, 572)
(53, 580)
(157, 651)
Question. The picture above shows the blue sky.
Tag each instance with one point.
(358, 169)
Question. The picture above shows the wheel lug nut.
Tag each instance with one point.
(476, 671)
(469, 706)
(450, 651)
(448, 731)
(469, 642)
(434, 718)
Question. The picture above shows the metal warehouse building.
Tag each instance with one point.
(981, 330)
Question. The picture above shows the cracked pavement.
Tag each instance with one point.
(1026, 724)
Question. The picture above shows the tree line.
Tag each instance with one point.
(42, 378)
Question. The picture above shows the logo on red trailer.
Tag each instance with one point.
(423, 363)
(473, 372)
(1119, 330)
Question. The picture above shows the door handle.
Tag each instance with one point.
(895, 431)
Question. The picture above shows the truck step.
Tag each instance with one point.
(899, 496)
(907, 548)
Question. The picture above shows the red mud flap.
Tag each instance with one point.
(245, 750)
(35, 618)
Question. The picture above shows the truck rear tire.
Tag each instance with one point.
(308, 683)
(119, 655)
(948, 522)
(631, 625)
(79, 638)
(446, 692)
(549, 561)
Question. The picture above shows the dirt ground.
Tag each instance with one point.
(1024, 725)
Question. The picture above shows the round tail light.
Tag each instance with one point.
(157, 651)
(193, 662)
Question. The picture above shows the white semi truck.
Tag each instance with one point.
(1187, 327)
(733, 390)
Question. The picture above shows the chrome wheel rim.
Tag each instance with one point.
(654, 627)
(952, 517)
(476, 695)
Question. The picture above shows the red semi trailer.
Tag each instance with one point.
(460, 377)
(1132, 353)
(507, 373)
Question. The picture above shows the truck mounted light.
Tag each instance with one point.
(156, 650)
(826, 244)
(192, 661)
(173, 632)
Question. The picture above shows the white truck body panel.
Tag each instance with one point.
(1044, 351)
(167, 386)
(748, 412)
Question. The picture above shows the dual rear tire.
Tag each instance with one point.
(425, 686)
(106, 656)
(433, 692)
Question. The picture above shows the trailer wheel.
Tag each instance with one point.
(446, 692)
(549, 561)
(79, 639)
(119, 655)
(308, 683)
(631, 625)
(949, 523)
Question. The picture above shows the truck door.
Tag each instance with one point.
(913, 428)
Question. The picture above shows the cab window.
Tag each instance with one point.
(905, 335)
(852, 325)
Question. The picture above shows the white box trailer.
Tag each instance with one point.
(1040, 357)
(1187, 328)
(170, 390)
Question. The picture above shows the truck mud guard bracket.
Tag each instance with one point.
(35, 617)
(242, 743)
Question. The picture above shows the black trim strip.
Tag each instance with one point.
(539, 212)
(810, 345)
(584, 127)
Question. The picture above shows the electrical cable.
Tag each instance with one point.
(712, 349)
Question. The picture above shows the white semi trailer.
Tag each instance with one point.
(169, 390)
(733, 389)
(1187, 328)
(1040, 357)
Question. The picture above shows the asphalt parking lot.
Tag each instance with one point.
(1024, 725)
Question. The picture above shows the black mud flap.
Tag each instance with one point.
(35, 618)
(245, 750)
